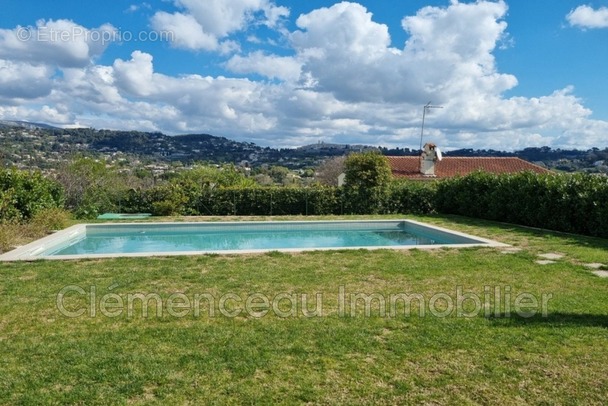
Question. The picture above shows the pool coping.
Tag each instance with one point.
(28, 252)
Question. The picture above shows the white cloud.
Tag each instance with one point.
(346, 53)
(202, 24)
(136, 7)
(56, 42)
(271, 66)
(344, 27)
(57, 115)
(588, 17)
(451, 48)
(135, 76)
(228, 105)
(185, 31)
(449, 51)
(24, 81)
(93, 86)
(220, 17)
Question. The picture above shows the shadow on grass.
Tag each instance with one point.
(578, 239)
(551, 320)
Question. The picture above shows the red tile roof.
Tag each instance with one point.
(409, 166)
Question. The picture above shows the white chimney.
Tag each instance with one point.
(430, 155)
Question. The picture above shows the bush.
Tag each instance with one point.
(571, 203)
(51, 219)
(168, 200)
(23, 194)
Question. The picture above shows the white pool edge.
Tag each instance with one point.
(28, 251)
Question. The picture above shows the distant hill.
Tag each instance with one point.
(34, 145)
(46, 147)
(26, 124)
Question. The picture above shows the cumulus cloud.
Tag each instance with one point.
(185, 31)
(345, 27)
(202, 24)
(222, 103)
(23, 81)
(93, 86)
(271, 66)
(588, 17)
(449, 50)
(56, 42)
(346, 53)
(452, 47)
(136, 75)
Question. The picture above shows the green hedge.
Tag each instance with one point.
(402, 197)
(410, 197)
(576, 203)
(248, 201)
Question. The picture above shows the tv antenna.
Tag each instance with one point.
(424, 110)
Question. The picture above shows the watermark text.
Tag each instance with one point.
(75, 301)
(104, 37)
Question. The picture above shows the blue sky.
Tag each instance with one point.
(509, 74)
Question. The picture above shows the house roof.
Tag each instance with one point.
(409, 166)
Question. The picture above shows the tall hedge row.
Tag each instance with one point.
(410, 197)
(271, 201)
(573, 203)
(405, 197)
(576, 203)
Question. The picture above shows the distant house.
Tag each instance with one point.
(431, 165)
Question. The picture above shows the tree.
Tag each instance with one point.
(329, 170)
(278, 173)
(368, 175)
(213, 176)
(91, 187)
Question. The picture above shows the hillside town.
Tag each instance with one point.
(46, 148)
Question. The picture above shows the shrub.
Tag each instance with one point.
(167, 200)
(23, 194)
(572, 203)
(51, 219)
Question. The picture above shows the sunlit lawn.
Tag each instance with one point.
(341, 356)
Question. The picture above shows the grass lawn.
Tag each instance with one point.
(229, 354)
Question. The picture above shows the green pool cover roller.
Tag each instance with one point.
(123, 216)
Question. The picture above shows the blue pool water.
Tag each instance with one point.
(156, 238)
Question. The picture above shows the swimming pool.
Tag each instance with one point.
(148, 239)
